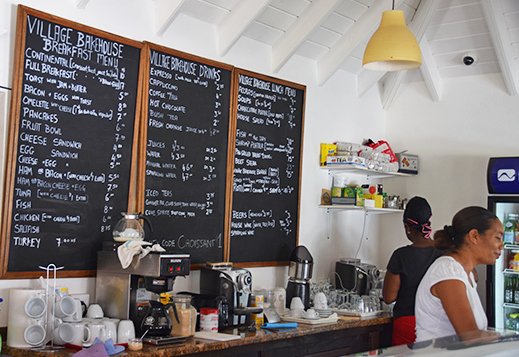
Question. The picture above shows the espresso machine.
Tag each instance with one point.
(126, 293)
(232, 287)
(352, 275)
(299, 275)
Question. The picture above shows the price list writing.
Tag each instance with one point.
(186, 153)
(266, 169)
(75, 132)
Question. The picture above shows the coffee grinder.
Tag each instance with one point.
(299, 275)
(126, 293)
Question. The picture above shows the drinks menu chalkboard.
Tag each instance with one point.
(70, 143)
(267, 160)
(186, 152)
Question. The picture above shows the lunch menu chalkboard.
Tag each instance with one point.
(267, 163)
(75, 101)
(186, 143)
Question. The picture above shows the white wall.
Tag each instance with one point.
(454, 138)
(332, 113)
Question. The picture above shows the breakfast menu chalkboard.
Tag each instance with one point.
(186, 149)
(70, 143)
(267, 160)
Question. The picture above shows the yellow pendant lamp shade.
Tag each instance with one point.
(393, 46)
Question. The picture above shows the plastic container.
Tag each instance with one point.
(135, 344)
(209, 319)
(186, 315)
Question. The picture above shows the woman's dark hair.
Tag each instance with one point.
(418, 211)
(417, 215)
(473, 217)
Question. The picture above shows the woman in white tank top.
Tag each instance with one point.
(447, 302)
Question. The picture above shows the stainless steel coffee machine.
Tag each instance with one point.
(233, 287)
(125, 293)
(352, 275)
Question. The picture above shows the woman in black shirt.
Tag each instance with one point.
(406, 268)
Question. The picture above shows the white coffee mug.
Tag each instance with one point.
(296, 303)
(311, 314)
(97, 330)
(35, 307)
(94, 311)
(80, 333)
(110, 329)
(320, 301)
(125, 331)
(34, 334)
(78, 312)
(65, 306)
(62, 334)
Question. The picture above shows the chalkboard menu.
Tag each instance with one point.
(267, 160)
(71, 138)
(186, 152)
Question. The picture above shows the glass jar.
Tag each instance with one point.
(186, 313)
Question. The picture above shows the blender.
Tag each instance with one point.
(299, 275)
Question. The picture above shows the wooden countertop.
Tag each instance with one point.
(193, 345)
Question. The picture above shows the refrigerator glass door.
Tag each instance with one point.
(505, 280)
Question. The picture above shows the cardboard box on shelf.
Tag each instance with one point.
(326, 150)
(407, 163)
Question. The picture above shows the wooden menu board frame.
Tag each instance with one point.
(194, 233)
(14, 128)
(265, 103)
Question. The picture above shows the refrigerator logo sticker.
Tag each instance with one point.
(505, 175)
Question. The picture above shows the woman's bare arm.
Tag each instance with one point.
(453, 296)
(391, 287)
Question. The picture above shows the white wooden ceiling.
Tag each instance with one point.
(334, 33)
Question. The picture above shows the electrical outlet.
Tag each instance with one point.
(83, 297)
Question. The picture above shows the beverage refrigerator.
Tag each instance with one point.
(502, 284)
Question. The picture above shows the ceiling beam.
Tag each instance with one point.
(430, 72)
(233, 26)
(165, 12)
(366, 80)
(357, 33)
(418, 26)
(495, 19)
(307, 22)
(81, 4)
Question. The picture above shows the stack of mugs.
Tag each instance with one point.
(34, 320)
(26, 319)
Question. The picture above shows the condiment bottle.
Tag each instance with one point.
(183, 316)
(510, 226)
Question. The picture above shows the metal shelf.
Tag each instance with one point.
(510, 271)
(512, 305)
(360, 208)
(356, 169)
(511, 246)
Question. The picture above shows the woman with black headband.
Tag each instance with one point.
(447, 302)
(406, 268)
